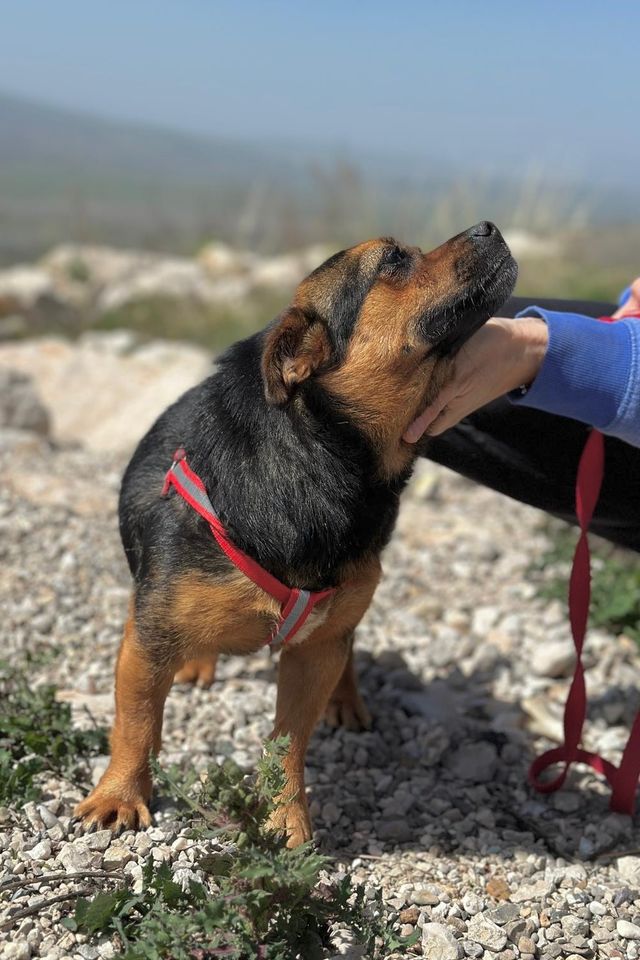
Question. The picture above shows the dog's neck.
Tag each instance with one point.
(298, 488)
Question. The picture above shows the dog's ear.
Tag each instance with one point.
(295, 347)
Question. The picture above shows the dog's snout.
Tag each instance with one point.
(483, 229)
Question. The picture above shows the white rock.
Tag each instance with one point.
(630, 931)
(538, 890)
(16, 951)
(486, 932)
(144, 381)
(555, 658)
(116, 856)
(439, 943)
(41, 851)
(629, 867)
(99, 840)
(76, 855)
(472, 903)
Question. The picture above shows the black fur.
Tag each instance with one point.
(297, 488)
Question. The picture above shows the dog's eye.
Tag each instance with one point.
(393, 256)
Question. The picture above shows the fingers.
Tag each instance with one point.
(423, 422)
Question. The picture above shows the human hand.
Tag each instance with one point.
(503, 355)
(632, 304)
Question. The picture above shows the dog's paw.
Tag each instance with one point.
(105, 808)
(349, 711)
(201, 672)
(292, 819)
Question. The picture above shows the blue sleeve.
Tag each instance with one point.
(591, 373)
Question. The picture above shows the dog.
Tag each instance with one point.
(285, 467)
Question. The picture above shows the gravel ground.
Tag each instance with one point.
(464, 669)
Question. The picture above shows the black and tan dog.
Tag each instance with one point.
(297, 440)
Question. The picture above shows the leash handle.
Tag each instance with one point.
(623, 779)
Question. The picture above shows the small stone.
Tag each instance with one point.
(330, 813)
(566, 801)
(597, 909)
(41, 851)
(526, 945)
(439, 943)
(16, 951)
(575, 926)
(426, 896)
(629, 868)
(554, 658)
(504, 913)
(410, 915)
(472, 903)
(181, 843)
(142, 844)
(486, 932)
(515, 929)
(48, 818)
(88, 952)
(472, 949)
(99, 840)
(498, 888)
(622, 896)
(630, 931)
(394, 830)
(474, 762)
(406, 929)
(116, 856)
(539, 890)
(76, 855)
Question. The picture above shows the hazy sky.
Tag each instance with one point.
(483, 84)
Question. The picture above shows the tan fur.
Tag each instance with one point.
(122, 795)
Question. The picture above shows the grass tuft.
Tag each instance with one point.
(37, 737)
(257, 899)
(615, 584)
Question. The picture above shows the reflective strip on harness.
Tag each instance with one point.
(295, 604)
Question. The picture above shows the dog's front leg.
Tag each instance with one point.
(122, 795)
(307, 676)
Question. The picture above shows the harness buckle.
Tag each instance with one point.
(179, 454)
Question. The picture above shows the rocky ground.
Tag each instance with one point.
(463, 667)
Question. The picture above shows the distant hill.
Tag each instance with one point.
(70, 176)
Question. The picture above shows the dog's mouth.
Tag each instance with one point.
(450, 324)
(454, 321)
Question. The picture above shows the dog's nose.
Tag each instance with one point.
(482, 229)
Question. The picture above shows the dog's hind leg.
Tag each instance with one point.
(122, 795)
(201, 671)
(346, 708)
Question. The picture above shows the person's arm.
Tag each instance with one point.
(590, 372)
(568, 364)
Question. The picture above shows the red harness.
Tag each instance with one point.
(295, 605)
(623, 779)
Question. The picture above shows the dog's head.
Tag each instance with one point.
(377, 326)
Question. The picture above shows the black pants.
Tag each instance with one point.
(533, 456)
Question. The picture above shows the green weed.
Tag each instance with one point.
(615, 586)
(258, 899)
(37, 737)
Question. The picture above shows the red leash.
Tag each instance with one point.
(623, 779)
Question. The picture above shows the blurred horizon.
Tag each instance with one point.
(280, 128)
(473, 87)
